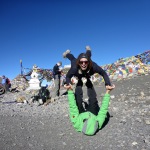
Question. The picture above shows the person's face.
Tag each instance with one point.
(59, 64)
(83, 63)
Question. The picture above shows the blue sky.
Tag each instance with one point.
(39, 31)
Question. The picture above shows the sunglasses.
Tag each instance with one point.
(81, 62)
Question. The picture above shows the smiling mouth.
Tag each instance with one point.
(85, 66)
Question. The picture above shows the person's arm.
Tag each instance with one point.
(75, 117)
(70, 74)
(73, 109)
(100, 71)
(104, 107)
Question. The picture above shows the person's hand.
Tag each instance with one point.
(68, 87)
(109, 88)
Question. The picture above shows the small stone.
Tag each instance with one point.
(112, 96)
(147, 121)
(134, 143)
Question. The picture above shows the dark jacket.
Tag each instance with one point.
(56, 71)
(74, 71)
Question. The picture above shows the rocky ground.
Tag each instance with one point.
(26, 127)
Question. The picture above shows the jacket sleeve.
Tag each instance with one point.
(70, 74)
(103, 110)
(73, 109)
(100, 71)
(56, 70)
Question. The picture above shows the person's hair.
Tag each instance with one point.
(83, 55)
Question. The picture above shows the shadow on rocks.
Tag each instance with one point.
(65, 93)
(106, 120)
(105, 123)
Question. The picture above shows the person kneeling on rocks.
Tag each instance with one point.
(87, 122)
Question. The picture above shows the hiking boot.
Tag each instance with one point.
(66, 52)
(88, 48)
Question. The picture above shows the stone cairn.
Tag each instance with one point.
(20, 83)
